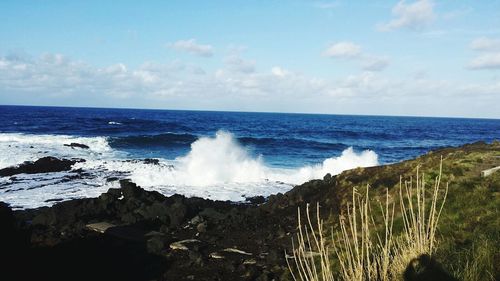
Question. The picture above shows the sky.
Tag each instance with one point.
(418, 58)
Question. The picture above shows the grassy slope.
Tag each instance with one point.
(469, 228)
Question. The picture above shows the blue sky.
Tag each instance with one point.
(424, 58)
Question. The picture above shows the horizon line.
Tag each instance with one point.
(244, 111)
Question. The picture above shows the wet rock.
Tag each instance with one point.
(110, 179)
(148, 161)
(115, 193)
(130, 189)
(77, 145)
(256, 200)
(151, 161)
(42, 165)
(54, 200)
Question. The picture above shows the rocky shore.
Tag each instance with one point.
(128, 233)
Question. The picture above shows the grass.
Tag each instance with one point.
(364, 246)
(470, 230)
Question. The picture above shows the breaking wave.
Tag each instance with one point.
(217, 167)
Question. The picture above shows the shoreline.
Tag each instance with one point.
(148, 236)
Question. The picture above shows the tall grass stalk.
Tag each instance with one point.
(363, 247)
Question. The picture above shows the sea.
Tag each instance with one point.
(216, 155)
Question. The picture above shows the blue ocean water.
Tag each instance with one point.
(284, 140)
(257, 143)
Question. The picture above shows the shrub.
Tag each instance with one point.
(364, 246)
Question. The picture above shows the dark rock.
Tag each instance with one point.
(114, 192)
(196, 258)
(155, 211)
(177, 214)
(77, 145)
(273, 256)
(12, 237)
(212, 214)
(256, 199)
(46, 218)
(156, 245)
(151, 161)
(42, 165)
(110, 179)
(130, 189)
(128, 218)
(54, 200)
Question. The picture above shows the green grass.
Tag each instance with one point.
(468, 234)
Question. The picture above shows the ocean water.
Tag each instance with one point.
(217, 155)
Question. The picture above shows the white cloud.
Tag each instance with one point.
(343, 49)
(56, 79)
(351, 51)
(414, 16)
(279, 72)
(485, 44)
(489, 57)
(486, 61)
(191, 46)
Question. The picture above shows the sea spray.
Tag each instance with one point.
(219, 160)
(216, 167)
(16, 148)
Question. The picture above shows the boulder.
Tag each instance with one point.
(42, 165)
(77, 145)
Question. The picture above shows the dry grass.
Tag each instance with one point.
(365, 247)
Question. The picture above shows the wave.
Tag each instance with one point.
(216, 167)
(219, 160)
(16, 148)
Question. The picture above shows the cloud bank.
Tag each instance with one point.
(58, 80)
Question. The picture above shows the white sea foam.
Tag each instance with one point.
(216, 167)
(17, 148)
(221, 168)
